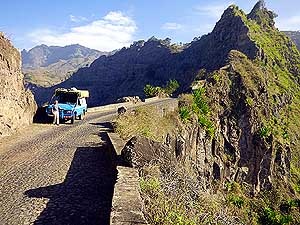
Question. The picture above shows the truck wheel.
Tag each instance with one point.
(81, 116)
(73, 119)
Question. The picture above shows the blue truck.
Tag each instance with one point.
(71, 102)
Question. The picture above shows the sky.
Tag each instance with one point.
(113, 24)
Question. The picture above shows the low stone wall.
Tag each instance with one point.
(165, 104)
(127, 204)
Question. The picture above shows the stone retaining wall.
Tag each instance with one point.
(127, 205)
(149, 101)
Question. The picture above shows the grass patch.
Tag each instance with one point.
(197, 104)
(146, 121)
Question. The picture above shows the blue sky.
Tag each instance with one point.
(112, 24)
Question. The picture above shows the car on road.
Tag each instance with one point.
(71, 102)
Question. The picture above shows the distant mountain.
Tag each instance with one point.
(48, 65)
(295, 36)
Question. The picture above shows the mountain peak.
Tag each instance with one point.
(262, 15)
(232, 10)
(260, 5)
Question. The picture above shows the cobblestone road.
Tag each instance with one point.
(57, 175)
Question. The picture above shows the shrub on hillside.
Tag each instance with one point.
(151, 91)
(169, 89)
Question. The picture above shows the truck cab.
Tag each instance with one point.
(71, 102)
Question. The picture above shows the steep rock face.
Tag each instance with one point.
(250, 131)
(17, 105)
(48, 65)
(239, 151)
(255, 110)
(211, 51)
(262, 15)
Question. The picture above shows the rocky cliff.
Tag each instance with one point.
(254, 102)
(242, 124)
(17, 104)
(48, 65)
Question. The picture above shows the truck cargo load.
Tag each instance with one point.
(79, 93)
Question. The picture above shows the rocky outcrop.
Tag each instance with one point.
(17, 104)
(133, 99)
(141, 151)
(262, 15)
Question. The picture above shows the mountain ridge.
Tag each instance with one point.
(48, 65)
(155, 62)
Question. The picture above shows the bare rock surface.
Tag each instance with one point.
(17, 105)
(140, 151)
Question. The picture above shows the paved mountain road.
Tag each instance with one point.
(57, 175)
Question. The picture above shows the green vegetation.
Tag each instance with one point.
(249, 101)
(169, 89)
(185, 114)
(264, 132)
(236, 201)
(150, 185)
(216, 77)
(198, 106)
(151, 91)
(271, 217)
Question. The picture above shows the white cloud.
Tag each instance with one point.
(172, 26)
(77, 19)
(113, 31)
(214, 10)
(286, 24)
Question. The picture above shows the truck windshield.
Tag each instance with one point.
(67, 98)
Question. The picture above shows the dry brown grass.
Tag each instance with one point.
(146, 121)
(179, 198)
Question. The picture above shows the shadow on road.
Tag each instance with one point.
(106, 125)
(85, 196)
(41, 116)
